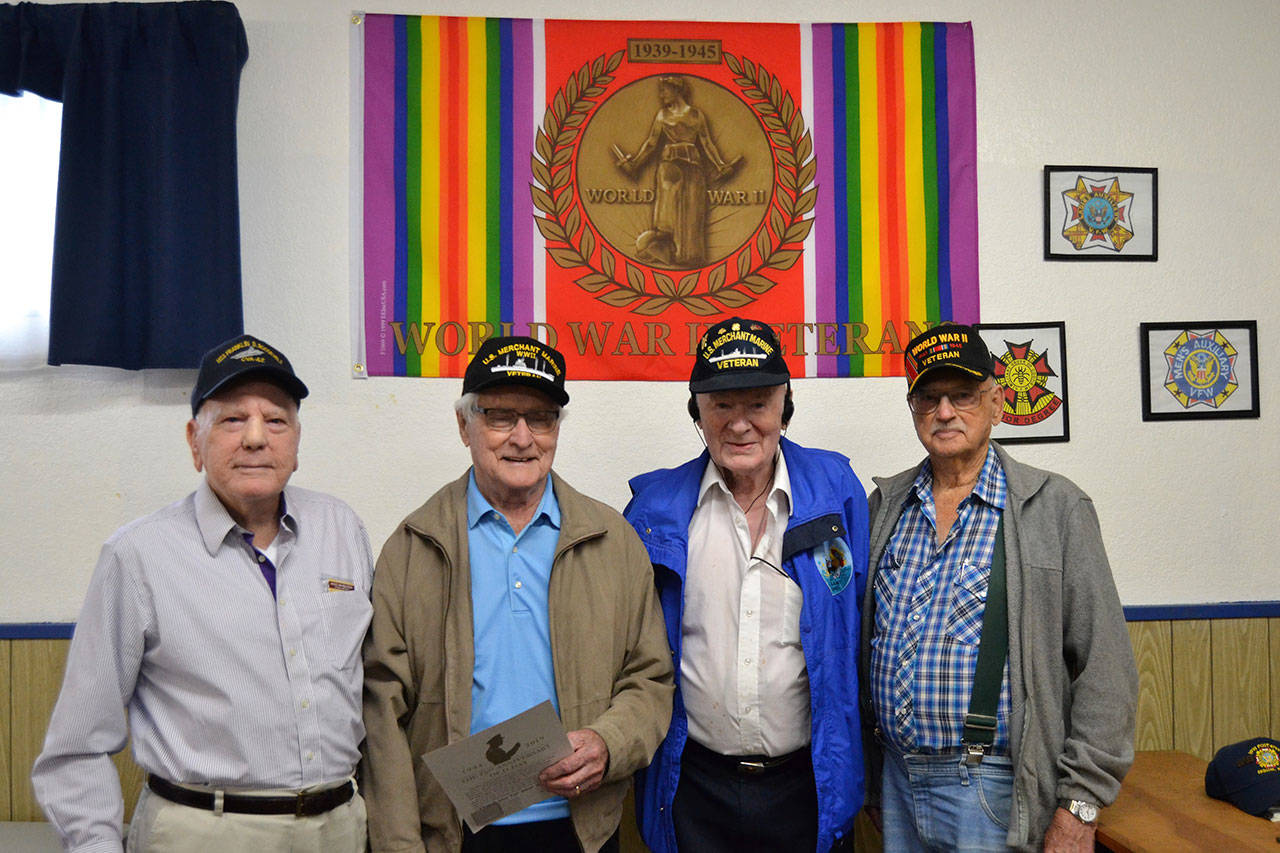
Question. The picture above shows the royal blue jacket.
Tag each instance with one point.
(828, 504)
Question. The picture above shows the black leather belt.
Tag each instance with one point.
(747, 765)
(298, 805)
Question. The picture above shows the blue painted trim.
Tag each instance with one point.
(36, 630)
(1133, 613)
(1220, 610)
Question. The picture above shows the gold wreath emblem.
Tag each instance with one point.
(626, 285)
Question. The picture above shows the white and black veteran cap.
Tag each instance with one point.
(738, 353)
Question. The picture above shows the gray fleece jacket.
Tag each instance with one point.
(1073, 682)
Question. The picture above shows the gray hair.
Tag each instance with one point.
(203, 418)
(466, 405)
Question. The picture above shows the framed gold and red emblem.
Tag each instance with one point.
(1031, 367)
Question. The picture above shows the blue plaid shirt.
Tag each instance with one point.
(929, 604)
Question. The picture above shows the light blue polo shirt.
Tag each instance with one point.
(510, 579)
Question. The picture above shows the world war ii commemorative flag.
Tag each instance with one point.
(615, 187)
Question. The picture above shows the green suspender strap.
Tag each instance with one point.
(993, 650)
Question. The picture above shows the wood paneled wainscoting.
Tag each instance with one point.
(1209, 675)
(32, 658)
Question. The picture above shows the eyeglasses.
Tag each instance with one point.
(963, 399)
(539, 421)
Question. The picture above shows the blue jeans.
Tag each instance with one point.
(936, 803)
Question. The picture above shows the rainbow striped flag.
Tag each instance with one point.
(517, 178)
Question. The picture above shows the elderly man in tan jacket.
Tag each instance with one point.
(506, 589)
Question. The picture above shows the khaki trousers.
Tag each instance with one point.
(162, 826)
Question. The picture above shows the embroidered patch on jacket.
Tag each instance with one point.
(335, 585)
(834, 564)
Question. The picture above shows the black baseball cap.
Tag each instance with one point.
(738, 353)
(516, 360)
(948, 345)
(241, 358)
(1247, 775)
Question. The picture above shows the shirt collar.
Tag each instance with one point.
(780, 493)
(990, 488)
(214, 522)
(478, 507)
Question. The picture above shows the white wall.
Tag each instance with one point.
(1186, 508)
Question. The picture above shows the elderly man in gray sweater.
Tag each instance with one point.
(1002, 732)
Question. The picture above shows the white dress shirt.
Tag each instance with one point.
(742, 670)
(223, 684)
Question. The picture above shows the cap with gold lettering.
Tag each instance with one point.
(948, 345)
(1247, 775)
(244, 357)
(514, 360)
(738, 353)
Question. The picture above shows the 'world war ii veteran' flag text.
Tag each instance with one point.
(615, 187)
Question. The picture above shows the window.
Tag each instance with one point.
(30, 131)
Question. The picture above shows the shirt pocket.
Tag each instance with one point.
(968, 603)
(346, 614)
(886, 585)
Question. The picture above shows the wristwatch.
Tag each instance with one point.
(1084, 811)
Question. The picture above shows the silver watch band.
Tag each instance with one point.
(1083, 810)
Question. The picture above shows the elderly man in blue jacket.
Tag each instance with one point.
(759, 551)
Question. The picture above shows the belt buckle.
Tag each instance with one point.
(299, 800)
(752, 768)
(974, 753)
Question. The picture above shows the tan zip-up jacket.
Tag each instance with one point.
(608, 647)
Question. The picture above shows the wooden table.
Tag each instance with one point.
(1163, 807)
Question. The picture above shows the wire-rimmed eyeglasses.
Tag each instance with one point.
(539, 421)
(963, 399)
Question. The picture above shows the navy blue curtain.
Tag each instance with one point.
(146, 256)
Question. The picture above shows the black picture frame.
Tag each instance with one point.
(1036, 403)
(1139, 190)
(1169, 350)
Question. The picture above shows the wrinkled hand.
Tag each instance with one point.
(580, 772)
(1067, 834)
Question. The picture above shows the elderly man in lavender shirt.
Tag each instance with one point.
(223, 634)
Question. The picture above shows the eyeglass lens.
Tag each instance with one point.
(539, 420)
(924, 402)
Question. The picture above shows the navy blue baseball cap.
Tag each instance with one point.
(241, 358)
(1247, 775)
